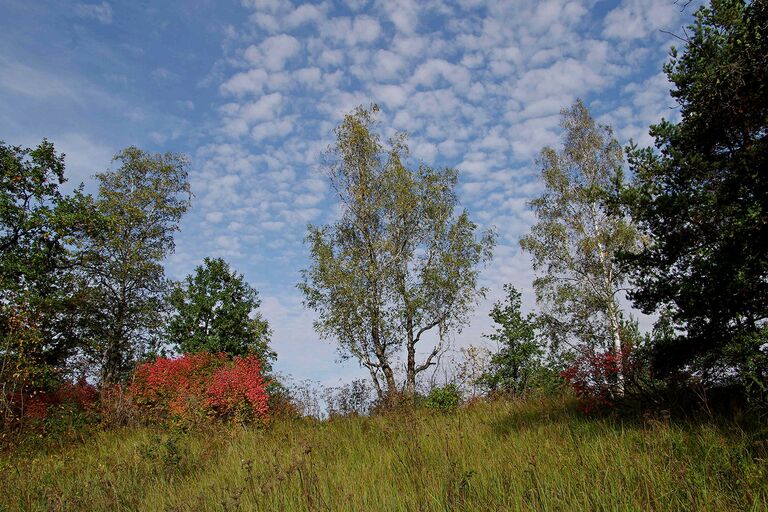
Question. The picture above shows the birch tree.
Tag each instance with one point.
(576, 237)
(400, 264)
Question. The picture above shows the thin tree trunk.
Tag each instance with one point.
(410, 371)
(612, 309)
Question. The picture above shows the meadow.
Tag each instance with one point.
(504, 455)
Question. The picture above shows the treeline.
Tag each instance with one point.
(84, 292)
(683, 235)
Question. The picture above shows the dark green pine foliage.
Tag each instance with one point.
(701, 197)
(215, 310)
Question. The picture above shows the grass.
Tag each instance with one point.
(501, 456)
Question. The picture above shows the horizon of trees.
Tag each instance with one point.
(684, 234)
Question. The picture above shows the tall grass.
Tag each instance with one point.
(500, 456)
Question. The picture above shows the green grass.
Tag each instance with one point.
(502, 456)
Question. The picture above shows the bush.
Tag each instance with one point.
(117, 406)
(594, 378)
(281, 403)
(444, 399)
(202, 384)
(238, 390)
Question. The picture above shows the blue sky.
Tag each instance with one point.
(251, 91)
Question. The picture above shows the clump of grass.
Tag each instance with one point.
(498, 456)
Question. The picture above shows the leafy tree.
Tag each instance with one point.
(575, 240)
(39, 230)
(123, 280)
(214, 310)
(401, 262)
(29, 243)
(701, 197)
(520, 353)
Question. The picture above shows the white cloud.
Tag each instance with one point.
(272, 129)
(352, 31)
(100, 12)
(404, 14)
(392, 96)
(273, 52)
(428, 73)
(388, 65)
(214, 217)
(24, 80)
(264, 108)
(635, 19)
(478, 86)
(249, 82)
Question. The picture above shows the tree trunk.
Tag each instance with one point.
(617, 349)
(389, 377)
(410, 370)
(613, 308)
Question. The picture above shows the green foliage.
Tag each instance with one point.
(577, 235)
(700, 197)
(39, 232)
(215, 310)
(122, 280)
(401, 262)
(31, 230)
(520, 352)
(40, 229)
(443, 399)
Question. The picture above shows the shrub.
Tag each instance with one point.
(117, 406)
(353, 399)
(444, 399)
(238, 390)
(281, 403)
(594, 378)
(202, 384)
(69, 395)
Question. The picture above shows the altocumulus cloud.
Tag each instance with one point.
(477, 85)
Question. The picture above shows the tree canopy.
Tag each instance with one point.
(400, 263)
(701, 197)
(123, 279)
(40, 229)
(215, 310)
(519, 354)
(577, 236)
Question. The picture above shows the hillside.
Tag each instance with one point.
(538, 455)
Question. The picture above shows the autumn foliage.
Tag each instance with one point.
(594, 378)
(202, 384)
(38, 404)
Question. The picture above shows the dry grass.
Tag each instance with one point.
(501, 456)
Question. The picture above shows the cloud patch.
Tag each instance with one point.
(100, 12)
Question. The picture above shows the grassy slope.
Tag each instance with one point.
(503, 456)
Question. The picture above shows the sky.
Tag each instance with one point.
(251, 91)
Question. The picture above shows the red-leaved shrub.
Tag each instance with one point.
(239, 389)
(202, 384)
(594, 378)
(80, 394)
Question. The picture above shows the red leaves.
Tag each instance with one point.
(202, 382)
(594, 378)
(241, 384)
(80, 394)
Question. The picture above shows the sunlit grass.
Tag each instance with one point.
(502, 456)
